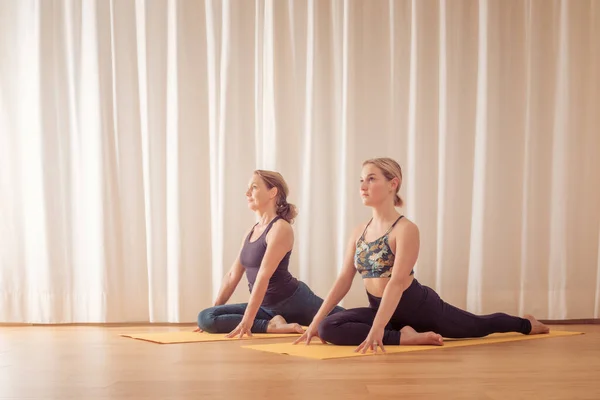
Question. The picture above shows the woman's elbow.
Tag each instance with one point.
(400, 284)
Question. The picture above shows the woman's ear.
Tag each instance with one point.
(273, 192)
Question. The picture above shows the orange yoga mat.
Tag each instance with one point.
(192, 337)
(318, 351)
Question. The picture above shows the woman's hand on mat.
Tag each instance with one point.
(374, 339)
(309, 333)
(242, 329)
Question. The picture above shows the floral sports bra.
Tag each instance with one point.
(375, 259)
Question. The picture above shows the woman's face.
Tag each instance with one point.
(258, 195)
(374, 187)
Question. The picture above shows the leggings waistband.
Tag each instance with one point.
(411, 291)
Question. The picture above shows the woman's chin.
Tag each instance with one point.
(370, 202)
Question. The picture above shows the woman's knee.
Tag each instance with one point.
(329, 330)
(206, 320)
(337, 309)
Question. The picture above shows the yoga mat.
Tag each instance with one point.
(317, 350)
(192, 337)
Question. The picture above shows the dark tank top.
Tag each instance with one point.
(282, 284)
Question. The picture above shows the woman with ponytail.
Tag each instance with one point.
(279, 303)
(401, 311)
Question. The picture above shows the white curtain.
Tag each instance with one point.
(129, 130)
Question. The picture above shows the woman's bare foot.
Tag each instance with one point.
(536, 326)
(279, 325)
(410, 337)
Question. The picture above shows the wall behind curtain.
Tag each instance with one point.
(129, 130)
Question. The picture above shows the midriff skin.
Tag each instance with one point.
(376, 286)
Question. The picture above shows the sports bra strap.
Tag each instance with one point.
(268, 228)
(393, 225)
(362, 237)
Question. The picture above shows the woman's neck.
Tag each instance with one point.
(266, 216)
(385, 213)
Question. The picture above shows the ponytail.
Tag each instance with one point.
(287, 211)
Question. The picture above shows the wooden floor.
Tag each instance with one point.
(96, 363)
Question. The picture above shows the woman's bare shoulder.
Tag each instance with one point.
(358, 230)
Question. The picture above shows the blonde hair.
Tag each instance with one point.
(390, 170)
(274, 179)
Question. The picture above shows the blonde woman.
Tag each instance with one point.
(401, 311)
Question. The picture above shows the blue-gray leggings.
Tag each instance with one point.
(300, 308)
(422, 309)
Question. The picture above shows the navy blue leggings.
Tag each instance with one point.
(300, 308)
(422, 309)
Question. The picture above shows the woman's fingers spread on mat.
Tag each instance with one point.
(360, 346)
(369, 344)
(376, 344)
(374, 339)
(232, 333)
(235, 333)
(304, 338)
(245, 332)
(307, 336)
(240, 330)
